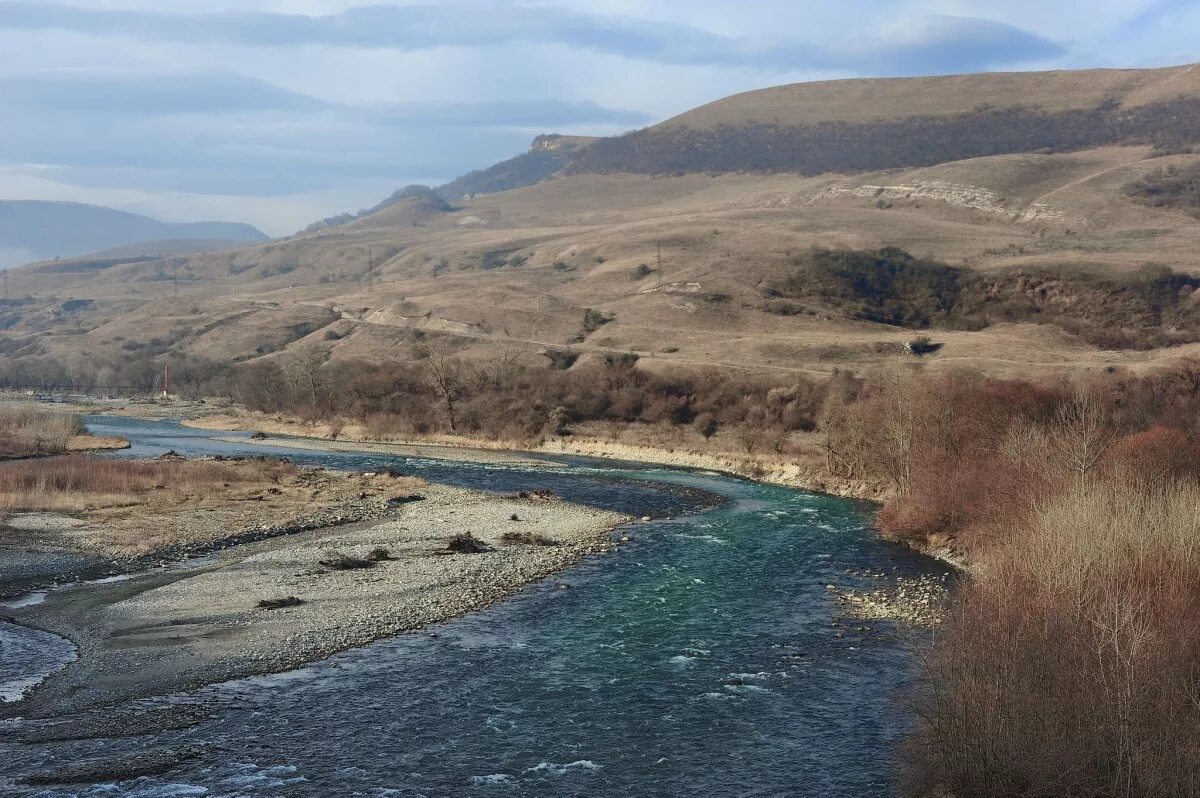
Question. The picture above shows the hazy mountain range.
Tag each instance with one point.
(32, 230)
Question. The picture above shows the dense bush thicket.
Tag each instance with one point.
(1148, 308)
(1066, 665)
(1172, 187)
(887, 285)
(510, 399)
(506, 397)
(968, 455)
(915, 141)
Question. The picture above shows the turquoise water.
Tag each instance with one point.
(698, 660)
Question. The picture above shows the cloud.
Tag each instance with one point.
(516, 113)
(937, 43)
(149, 94)
(229, 134)
(408, 27)
(943, 44)
(1158, 13)
(166, 95)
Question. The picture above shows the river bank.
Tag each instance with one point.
(805, 471)
(337, 587)
(802, 472)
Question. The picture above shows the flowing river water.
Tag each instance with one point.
(699, 659)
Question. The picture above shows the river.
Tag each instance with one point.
(701, 659)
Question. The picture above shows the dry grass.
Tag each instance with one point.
(79, 482)
(873, 99)
(26, 430)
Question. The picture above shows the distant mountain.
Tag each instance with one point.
(423, 197)
(32, 230)
(548, 155)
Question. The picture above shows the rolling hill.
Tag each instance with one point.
(1028, 257)
(32, 230)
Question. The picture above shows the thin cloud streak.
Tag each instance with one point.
(959, 43)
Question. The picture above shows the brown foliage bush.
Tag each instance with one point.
(1068, 665)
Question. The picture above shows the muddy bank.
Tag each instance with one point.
(177, 629)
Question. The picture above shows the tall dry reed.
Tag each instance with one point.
(27, 430)
(76, 482)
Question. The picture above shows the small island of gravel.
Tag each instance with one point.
(348, 559)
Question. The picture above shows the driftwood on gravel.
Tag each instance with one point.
(544, 494)
(533, 538)
(466, 543)
(337, 561)
(280, 603)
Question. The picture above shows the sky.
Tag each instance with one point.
(282, 112)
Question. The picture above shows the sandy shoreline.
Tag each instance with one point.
(177, 629)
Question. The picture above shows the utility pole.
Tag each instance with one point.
(166, 381)
(659, 263)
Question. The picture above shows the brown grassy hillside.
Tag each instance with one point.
(870, 100)
(681, 266)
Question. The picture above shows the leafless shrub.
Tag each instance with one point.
(1068, 665)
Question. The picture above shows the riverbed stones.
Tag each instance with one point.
(915, 601)
(188, 626)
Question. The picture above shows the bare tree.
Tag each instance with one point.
(751, 431)
(1082, 434)
(750, 436)
(303, 370)
(898, 425)
(446, 377)
(499, 369)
